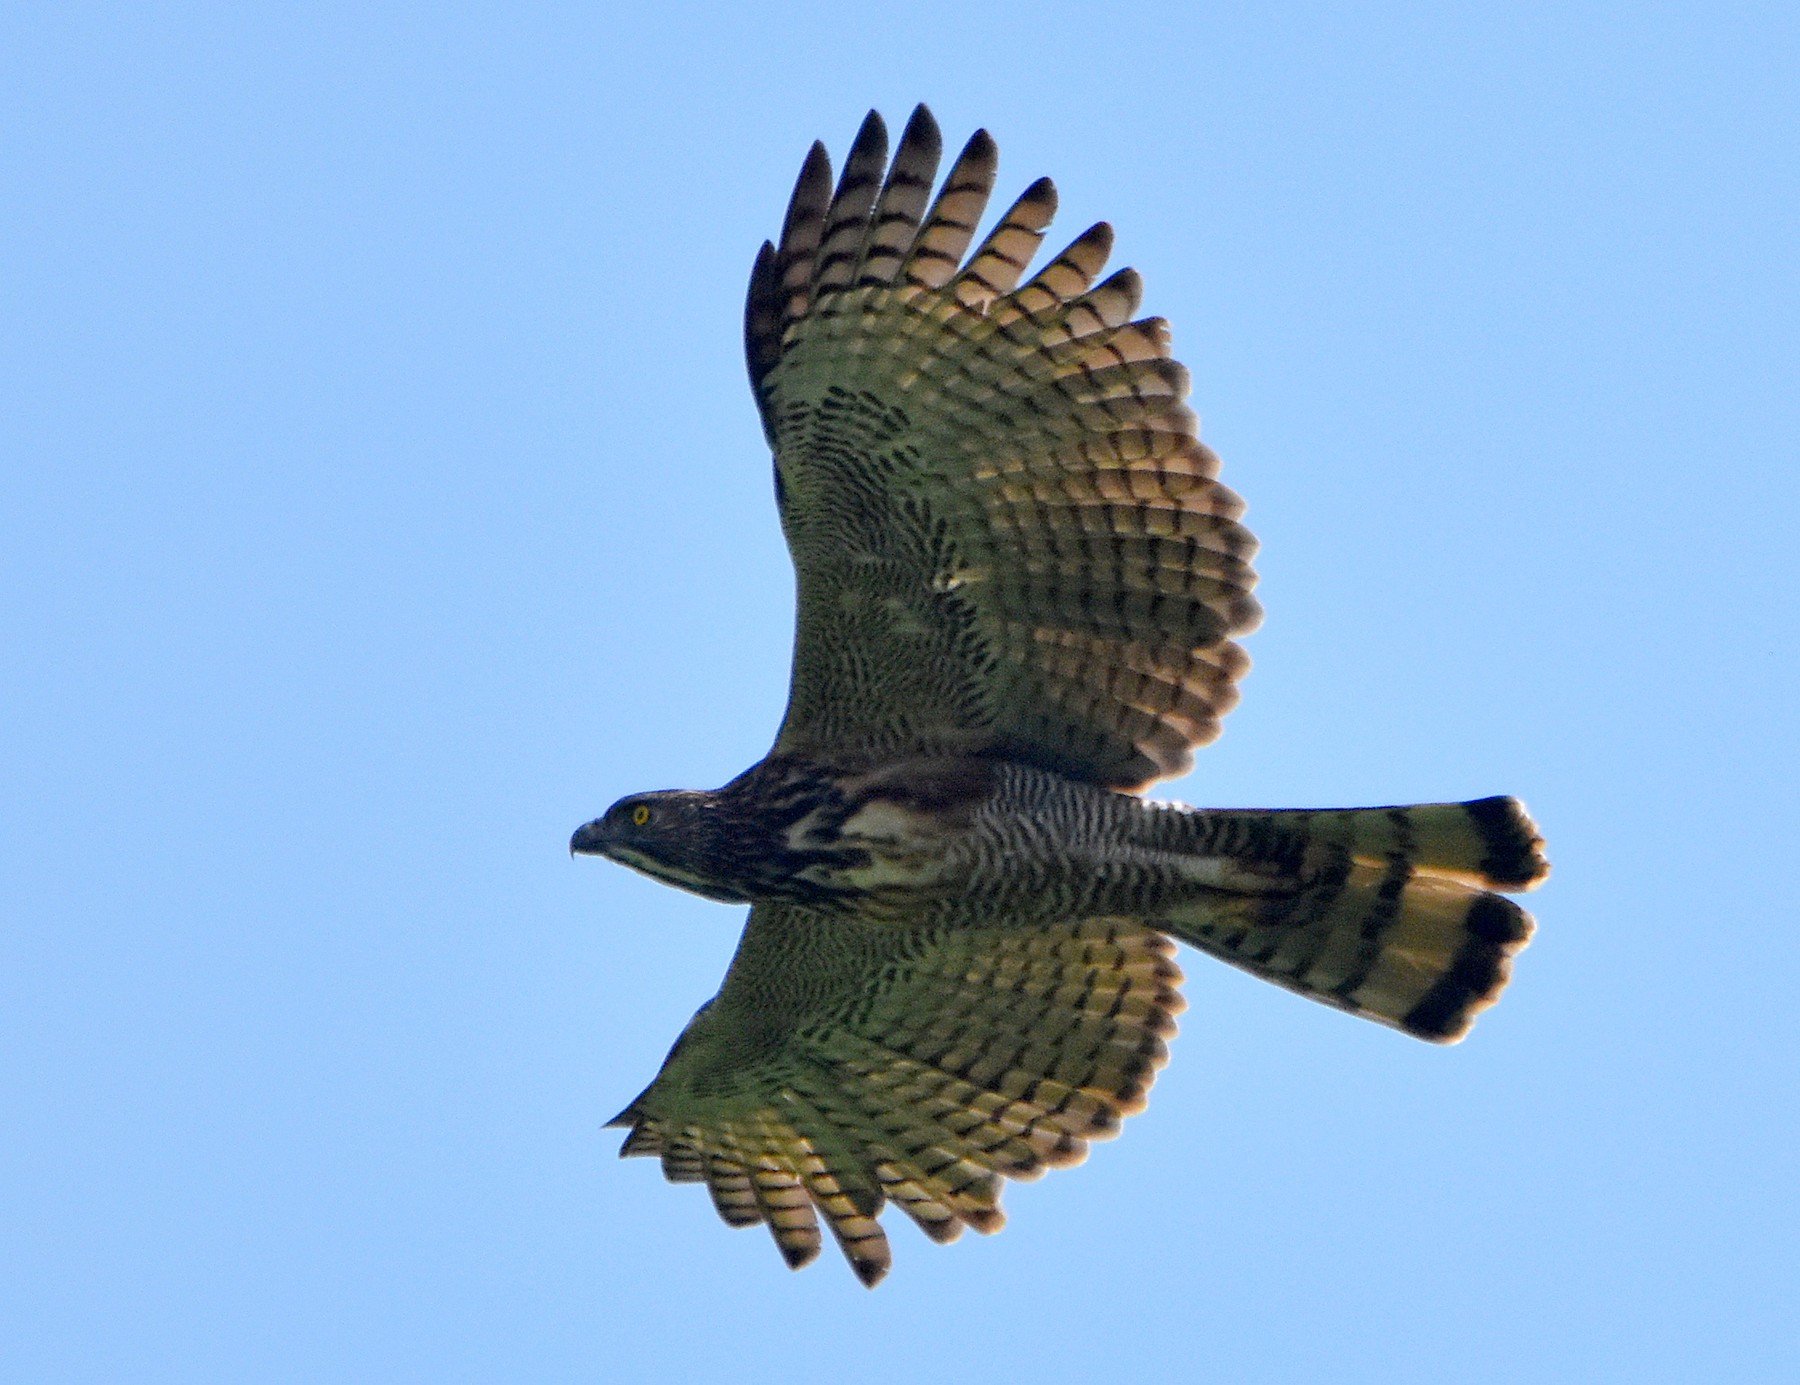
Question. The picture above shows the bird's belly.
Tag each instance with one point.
(1040, 850)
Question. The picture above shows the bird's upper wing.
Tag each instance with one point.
(1007, 535)
(846, 1062)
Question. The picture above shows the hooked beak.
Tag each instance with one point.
(590, 839)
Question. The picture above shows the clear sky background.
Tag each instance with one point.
(383, 498)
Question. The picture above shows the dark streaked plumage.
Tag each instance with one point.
(1019, 583)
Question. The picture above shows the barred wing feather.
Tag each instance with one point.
(848, 1063)
(1007, 535)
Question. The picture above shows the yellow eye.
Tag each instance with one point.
(640, 815)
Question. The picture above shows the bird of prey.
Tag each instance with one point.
(1018, 583)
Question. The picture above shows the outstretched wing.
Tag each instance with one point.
(1007, 535)
(848, 1062)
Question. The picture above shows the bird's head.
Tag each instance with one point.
(676, 836)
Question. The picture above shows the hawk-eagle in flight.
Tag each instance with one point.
(1019, 580)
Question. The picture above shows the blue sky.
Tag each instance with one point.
(384, 498)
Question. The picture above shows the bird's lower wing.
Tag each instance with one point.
(847, 1062)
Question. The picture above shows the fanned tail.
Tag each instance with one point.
(1393, 914)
